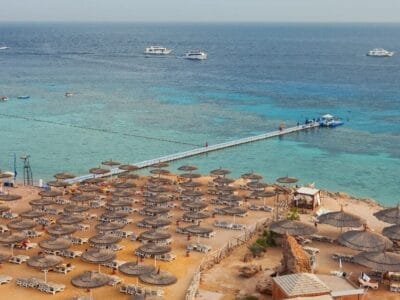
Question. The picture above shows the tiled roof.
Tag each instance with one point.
(301, 284)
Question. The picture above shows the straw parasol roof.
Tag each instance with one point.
(58, 183)
(154, 249)
(5, 175)
(160, 172)
(12, 238)
(4, 208)
(109, 226)
(44, 261)
(60, 230)
(292, 228)
(192, 194)
(41, 202)
(190, 184)
(389, 215)
(64, 176)
(251, 176)
(256, 185)
(157, 189)
(136, 269)
(156, 222)
(196, 215)
(379, 260)
(160, 165)
(157, 200)
(89, 188)
(187, 168)
(158, 278)
(160, 180)
(233, 210)
(194, 205)
(364, 240)
(90, 280)
(115, 214)
(32, 214)
(156, 210)
(194, 229)
(128, 168)
(392, 232)
(122, 194)
(21, 224)
(341, 219)
(110, 163)
(98, 171)
(123, 185)
(95, 180)
(226, 188)
(50, 194)
(9, 197)
(223, 180)
(70, 219)
(287, 180)
(104, 239)
(128, 176)
(82, 198)
(97, 256)
(53, 243)
(119, 203)
(190, 175)
(4, 256)
(220, 172)
(71, 208)
(154, 235)
(263, 194)
(230, 198)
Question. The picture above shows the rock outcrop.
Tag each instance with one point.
(295, 259)
(264, 284)
(249, 270)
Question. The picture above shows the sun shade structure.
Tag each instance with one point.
(392, 232)
(90, 280)
(194, 205)
(364, 240)
(71, 208)
(64, 176)
(70, 219)
(198, 230)
(287, 180)
(187, 168)
(21, 224)
(157, 189)
(5, 175)
(341, 219)
(12, 238)
(155, 210)
(379, 260)
(4, 208)
(156, 200)
(123, 185)
(263, 194)
(223, 180)
(256, 185)
(190, 184)
(44, 261)
(233, 210)
(41, 202)
(95, 180)
(128, 168)
(251, 176)
(89, 188)
(220, 172)
(158, 278)
(190, 175)
(104, 239)
(119, 203)
(136, 269)
(9, 197)
(58, 183)
(195, 215)
(154, 235)
(192, 194)
(115, 215)
(292, 228)
(160, 172)
(98, 171)
(109, 226)
(122, 194)
(53, 243)
(160, 165)
(4, 256)
(153, 249)
(60, 230)
(110, 163)
(156, 222)
(389, 215)
(50, 194)
(82, 198)
(32, 214)
(97, 256)
(128, 176)
(160, 180)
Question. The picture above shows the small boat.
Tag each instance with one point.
(69, 94)
(3, 98)
(24, 97)
(380, 52)
(4, 47)
(196, 55)
(157, 50)
(330, 121)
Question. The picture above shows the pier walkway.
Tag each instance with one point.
(205, 149)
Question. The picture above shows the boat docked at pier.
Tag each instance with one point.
(330, 121)
(157, 50)
(196, 55)
(3, 98)
(380, 52)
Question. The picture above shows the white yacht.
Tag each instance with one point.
(196, 55)
(157, 50)
(380, 52)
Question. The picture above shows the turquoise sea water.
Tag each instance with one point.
(257, 76)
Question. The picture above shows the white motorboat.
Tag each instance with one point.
(3, 98)
(157, 50)
(196, 55)
(4, 47)
(380, 52)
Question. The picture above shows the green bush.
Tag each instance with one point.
(293, 214)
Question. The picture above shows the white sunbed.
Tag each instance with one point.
(4, 279)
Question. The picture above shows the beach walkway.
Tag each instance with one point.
(205, 149)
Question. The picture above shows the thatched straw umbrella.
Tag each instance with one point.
(32, 214)
(154, 236)
(256, 186)
(112, 226)
(119, 203)
(251, 176)
(58, 184)
(128, 168)
(82, 198)
(155, 222)
(98, 171)
(389, 215)
(190, 175)
(190, 184)
(89, 188)
(94, 180)
(4, 257)
(223, 180)
(4, 208)
(220, 172)
(292, 228)
(158, 278)
(364, 240)
(122, 194)
(195, 215)
(12, 239)
(156, 200)
(187, 168)
(152, 250)
(104, 239)
(115, 215)
(90, 280)
(21, 224)
(128, 176)
(379, 260)
(44, 262)
(136, 268)
(157, 189)
(287, 180)
(160, 172)
(5, 175)
(64, 176)
(9, 197)
(41, 202)
(71, 208)
(53, 243)
(392, 232)
(50, 194)
(123, 185)
(60, 230)
(110, 163)
(194, 205)
(230, 198)
(159, 181)
(155, 210)
(341, 219)
(227, 189)
(160, 165)
(70, 219)
(192, 193)
(97, 256)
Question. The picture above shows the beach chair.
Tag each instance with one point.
(4, 279)
(114, 280)
(365, 281)
(18, 259)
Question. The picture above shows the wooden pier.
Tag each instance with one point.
(205, 149)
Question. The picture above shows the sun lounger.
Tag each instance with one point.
(18, 259)
(63, 268)
(114, 280)
(321, 238)
(343, 257)
(4, 279)
(311, 250)
(113, 264)
(4, 228)
(79, 240)
(70, 253)
(368, 284)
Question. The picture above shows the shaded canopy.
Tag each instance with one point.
(135, 268)
(4, 208)
(115, 214)
(196, 215)
(97, 256)
(341, 219)
(292, 228)
(4, 256)
(158, 278)
(187, 168)
(190, 184)
(41, 202)
(89, 188)
(230, 198)
(364, 240)
(379, 260)
(90, 280)
(12, 238)
(21, 224)
(156, 222)
(50, 193)
(154, 235)
(157, 200)
(194, 205)
(53, 243)
(123, 185)
(220, 172)
(9, 197)
(44, 261)
(223, 180)
(160, 171)
(70, 219)
(60, 230)
(98, 171)
(263, 194)
(64, 176)
(104, 239)
(58, 183)
(5, 175)
(190, 175)
(94, 180)
(155, 210)
(257, 185)
(110, 163)
(160, 165)
(128, 176)
(389, 215)
(160, 180)
(194, 229)
(122, 194)
(154, 249)
(111, 226)
(287, 180)
(392, 232)
(128, 167)
(157, 189)
(82, 198)
(32, 214)
(233, 210)
(192, 194)
(119, 203)
(251, 176)
(71, 208)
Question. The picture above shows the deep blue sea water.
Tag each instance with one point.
(257, 76)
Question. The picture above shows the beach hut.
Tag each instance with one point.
(44, 263)
(295, 228)
(306, 197)
(364, 240)
(136, 268)
(341, 219)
